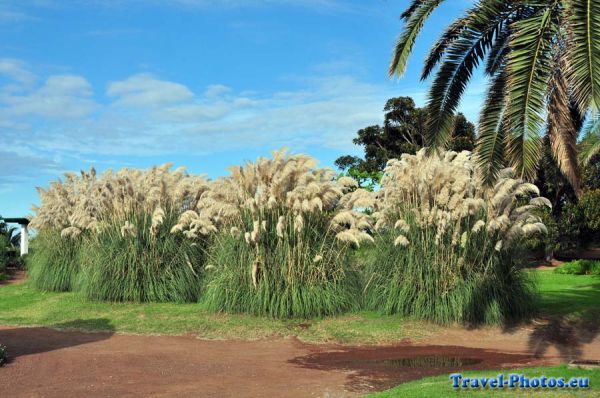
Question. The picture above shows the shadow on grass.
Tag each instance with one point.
(35, 340)
(565, 318)
(570, 319)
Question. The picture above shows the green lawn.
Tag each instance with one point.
(441, 386)
(573, 296)
(21, 305)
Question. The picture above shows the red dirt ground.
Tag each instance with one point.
(14, 277)
(45, 362)
(50, 363)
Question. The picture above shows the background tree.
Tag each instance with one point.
(542, 58)
(404, 131)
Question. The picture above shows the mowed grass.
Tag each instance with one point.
(571, 296)
(441, 386)
(21, 305)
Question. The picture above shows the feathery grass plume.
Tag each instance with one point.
(287, 262)
(123, 221)
(447, 246)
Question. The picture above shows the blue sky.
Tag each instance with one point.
(201, 83)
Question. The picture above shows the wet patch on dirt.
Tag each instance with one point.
(379, 368)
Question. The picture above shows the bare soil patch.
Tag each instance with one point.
(15, 276)
(52, 363)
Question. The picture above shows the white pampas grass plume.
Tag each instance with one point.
(478, 226)
(343, 219)
(537, 227)
(158, 217)
(234, 232)
(128, 230)
(402, 225)
(70, 232)
(401, 240)
(354, 236)
(190, 234)
(541, 202)
(348, 236)
(299, 223)
(281, 224)
(177, 228)
(347, 183)
(498, 246)
(317, 258)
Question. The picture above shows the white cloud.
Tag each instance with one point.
(60, 97)
(148, 116)
(16, 70)
(215, 90)
(144, 90)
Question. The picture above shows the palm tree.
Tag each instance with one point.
(542, 58)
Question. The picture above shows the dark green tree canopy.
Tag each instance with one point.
(404, 131)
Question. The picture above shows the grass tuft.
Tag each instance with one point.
(54, 262)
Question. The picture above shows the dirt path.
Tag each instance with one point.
(14, 277)
(50, 363)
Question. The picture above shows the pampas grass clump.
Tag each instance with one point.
(285, 229)
(141, 261)
(123, 222)
(448, 247)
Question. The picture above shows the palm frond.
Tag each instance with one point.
(529, 71)
(411, 9)
(561, 129)
(463, 55)
(499, 52)
(407, 38)
(584, 54)
(590, 144)
(491, 142)
(436, 53)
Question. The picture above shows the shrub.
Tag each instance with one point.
(579, 267)
(570, 227)
(283, 247)
(590, 206)
(54, 261)
(448, 248)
